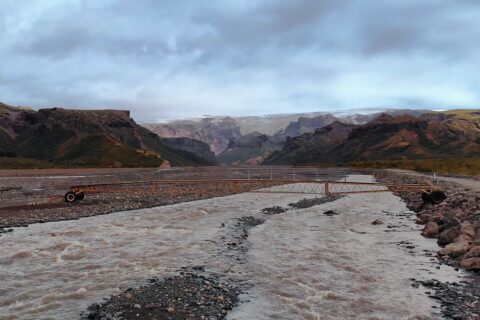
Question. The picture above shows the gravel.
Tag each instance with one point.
(191, 294)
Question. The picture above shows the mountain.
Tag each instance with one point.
(310, 147)
(249, 149)
(199, 148)
(215, 132)
(84, 138)
(306, 125)
(452, 134)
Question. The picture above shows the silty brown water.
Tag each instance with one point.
(301, 264)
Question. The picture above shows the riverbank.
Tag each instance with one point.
(455, 222)
(37, 196)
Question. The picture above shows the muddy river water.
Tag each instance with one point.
(300, 264)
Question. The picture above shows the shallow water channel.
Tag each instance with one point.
(300, 264)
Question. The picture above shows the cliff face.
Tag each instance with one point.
(83, 138)
(310, 147)
(438, 135)
(307, 125)
(199, 148)
(214, 132)
(250, 149)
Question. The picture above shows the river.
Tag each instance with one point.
(300, 265)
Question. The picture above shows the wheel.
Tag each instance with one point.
(70, 197)
(434, 197)
(437, 197)
(425, 197)
(80, 196)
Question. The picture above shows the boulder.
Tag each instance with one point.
(447, 236)
(468, 229)
(437, 217)
(431, 230)
(424, 217)
(462, 238)
(474, 252)
(456, 249)
(472, 264)
(449, 221)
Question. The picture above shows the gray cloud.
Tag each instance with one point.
(188, 58)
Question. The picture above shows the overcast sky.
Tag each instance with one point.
(174, 59)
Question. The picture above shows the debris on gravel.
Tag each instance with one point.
(192, 294)
(307, 203)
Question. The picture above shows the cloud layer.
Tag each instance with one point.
(176, 59)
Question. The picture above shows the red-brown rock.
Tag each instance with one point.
(472, 264)
(431, 230)
(448, 236)
(456, 249)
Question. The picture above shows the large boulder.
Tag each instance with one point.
(468, 230)
(437, 217)
(472, 264)
(448, 236)
(431, 230)
(474, 252)
(456, 249)
(450, 221)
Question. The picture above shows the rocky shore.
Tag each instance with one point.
(455, 222)
(98, 204)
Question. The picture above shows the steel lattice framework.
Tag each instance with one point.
(181, 187)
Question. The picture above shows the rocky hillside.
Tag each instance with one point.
(218, 131)
(250, 149)
(309, 147)
(451, 134)
(215, 132)
(307, 125)
(94, 138)
(195, 147)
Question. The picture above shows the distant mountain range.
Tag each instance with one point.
(111, 138)
(214, 132)
(451, 134)
(250, 140)
(94, 138)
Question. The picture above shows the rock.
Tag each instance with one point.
(474, 252)
(330, 213)
(455, 249)
(425, 217)
(449, 221)
(274, 210)
(137, 306)
(431, 230)
(170, 309)
(462, 238)
(447, 236)
(472, 264)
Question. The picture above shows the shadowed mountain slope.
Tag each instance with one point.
(249, 149)
(84, 138)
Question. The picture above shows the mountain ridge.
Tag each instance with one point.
(84, 138)
(433, 135)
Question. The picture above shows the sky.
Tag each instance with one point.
(178, 59)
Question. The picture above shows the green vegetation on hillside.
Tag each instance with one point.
(23, 163)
